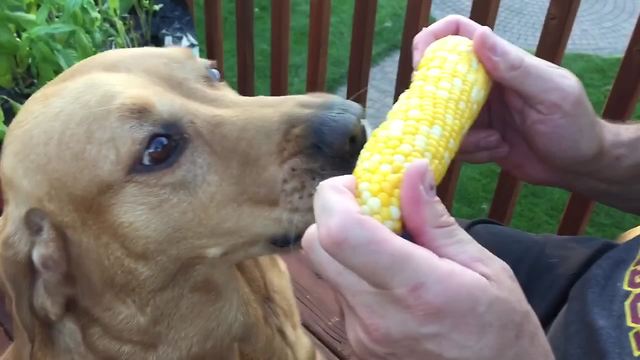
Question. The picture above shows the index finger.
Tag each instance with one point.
(364, 246)
(449, 25)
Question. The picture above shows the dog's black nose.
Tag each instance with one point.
(338, 134)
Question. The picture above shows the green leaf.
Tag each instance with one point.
(91, 8)
(114, 5)
(15, 106)
(45, 62)
(66, 58)
(27, 21)
(8, 42)
(3, 129)
(125, 6)
(43, 13)
(6, 71)
(57, 28)
(45, 73)
(23, 56)
(83, 44)
(70, 6)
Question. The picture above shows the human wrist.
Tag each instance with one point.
(612, 175)
(620, 163)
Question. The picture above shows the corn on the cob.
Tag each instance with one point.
(429, 120)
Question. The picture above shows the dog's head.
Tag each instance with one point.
(142, 162)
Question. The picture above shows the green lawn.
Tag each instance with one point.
(538, 209)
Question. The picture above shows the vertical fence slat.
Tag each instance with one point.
(213, 32)
(416, 17)
(553, 42)
(620, 106)
(280, 22)
(244, 49)
(320, 13)
(362, 32)
(487, 10)
(483, 12)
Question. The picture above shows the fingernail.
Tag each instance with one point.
(429, 184)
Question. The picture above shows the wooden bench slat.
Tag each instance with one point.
(551, 46)
(483, 12)
(319, 309)
(213, 32)
(416, 17)
(320, 14)
(362, 32)
(321, 348)
(280, 24)
(620, 106)
(244, 48)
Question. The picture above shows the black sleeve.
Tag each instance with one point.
(601, 319)
(585, 290)
(546, 266)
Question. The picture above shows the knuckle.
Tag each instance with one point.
(503, 268)
(573, 85)
(506, 270)
(324, 186)
(417, 42)
(334, 235)
(517, 65)
(454, 18)
(501, 271)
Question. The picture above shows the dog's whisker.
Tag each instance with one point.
(358, 93)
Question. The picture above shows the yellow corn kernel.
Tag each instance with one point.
(429, 120)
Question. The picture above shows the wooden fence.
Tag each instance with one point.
(552, 43)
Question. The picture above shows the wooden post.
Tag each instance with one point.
(319, 17)
(280, 23)
(363, 29)
(244, 48)
(213, 32)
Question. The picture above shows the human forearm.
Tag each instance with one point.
(615, 180)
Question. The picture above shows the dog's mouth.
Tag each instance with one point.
(283, 241)
(302, 174)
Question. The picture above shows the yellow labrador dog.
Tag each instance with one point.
(146, 203)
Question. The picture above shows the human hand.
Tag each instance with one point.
(442, 297)
(538, 122)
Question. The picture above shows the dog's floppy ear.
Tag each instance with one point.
(34, 270)
(49, 257)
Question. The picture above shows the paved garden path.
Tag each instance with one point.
(602, 27)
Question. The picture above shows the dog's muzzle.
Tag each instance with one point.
(286, 240)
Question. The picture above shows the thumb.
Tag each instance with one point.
(430, 225)
(535, 79)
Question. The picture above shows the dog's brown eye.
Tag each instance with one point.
(159, 150)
